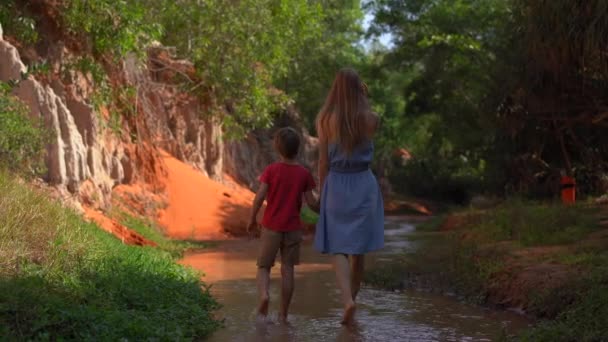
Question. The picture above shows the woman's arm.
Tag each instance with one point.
(323, 160)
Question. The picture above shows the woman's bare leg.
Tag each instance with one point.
(356, 276)
(342, 269)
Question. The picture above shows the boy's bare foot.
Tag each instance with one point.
(349, 314)
(283, 319)
(261, 319)
(263, 307)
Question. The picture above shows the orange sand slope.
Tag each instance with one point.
(126, 235)
(200, 208)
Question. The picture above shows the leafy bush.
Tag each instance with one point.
(17, 23)
(240, 50)
(21, 139)
(112, 26)
(62, 278)
(436, 179)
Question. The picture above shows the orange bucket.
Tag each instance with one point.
(568, 186)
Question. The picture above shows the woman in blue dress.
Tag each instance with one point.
(351, 221)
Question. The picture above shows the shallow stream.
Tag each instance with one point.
(315, 311)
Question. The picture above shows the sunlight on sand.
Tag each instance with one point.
(225, 265)
(200, 208)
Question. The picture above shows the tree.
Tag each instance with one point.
(315, 65)
(240, 49)
(450, 58)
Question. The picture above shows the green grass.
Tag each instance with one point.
(64, 279)
(536, 224)
(152, 232)
(431, 225)
(584, 312)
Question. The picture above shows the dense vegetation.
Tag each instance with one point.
(500, 93)
(63, 278)
(486, 94)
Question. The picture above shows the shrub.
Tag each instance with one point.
(21, 139)
(118, 27)
(17, 23)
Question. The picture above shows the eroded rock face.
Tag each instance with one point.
(11, 66)
(177, 121)
(86, 160)
(78, 150)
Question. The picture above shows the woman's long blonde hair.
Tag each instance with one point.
(342, 118)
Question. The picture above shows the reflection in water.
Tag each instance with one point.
(316, 309)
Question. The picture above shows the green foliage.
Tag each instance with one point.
(95, 72)
(335, 46)
(118, 27)
(449, 180)
(15, 21)
(240, 49)
(446, 54)
(91, 68)
(513, 84)
(21, 139)
(41, 69)
(62, 278)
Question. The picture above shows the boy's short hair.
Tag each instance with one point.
(287, 142)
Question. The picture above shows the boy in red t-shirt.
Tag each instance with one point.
(282, 185)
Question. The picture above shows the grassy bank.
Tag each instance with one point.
(152, 232)
(62, 278)
(548, 259)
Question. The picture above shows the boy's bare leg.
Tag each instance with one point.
(287, 286)
(342, 268)
(356, 276)
(263, 279)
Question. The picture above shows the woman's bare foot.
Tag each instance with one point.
(263, 307)
(283, 320)
(349, 314)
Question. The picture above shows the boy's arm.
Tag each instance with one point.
(311, 201)
(260, 196)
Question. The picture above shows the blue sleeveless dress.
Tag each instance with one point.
(351, 220)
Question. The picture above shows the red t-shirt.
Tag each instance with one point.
(286, 184)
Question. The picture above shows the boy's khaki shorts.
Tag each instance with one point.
(287, 242)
